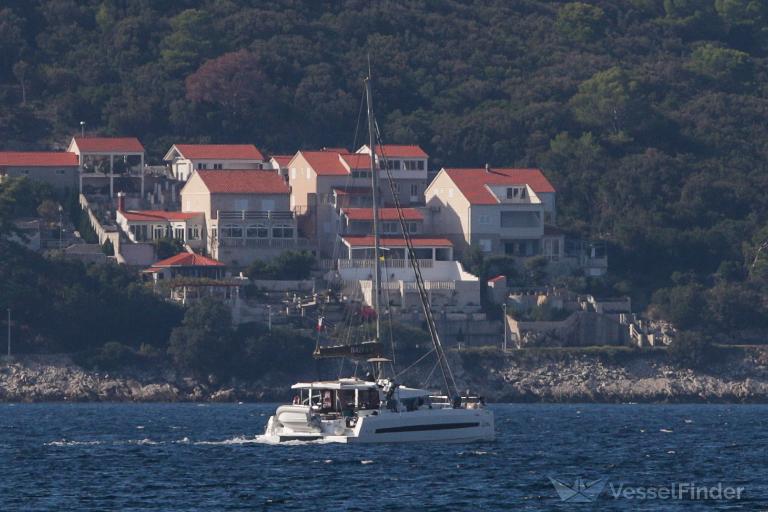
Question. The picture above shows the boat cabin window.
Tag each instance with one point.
(368, 399)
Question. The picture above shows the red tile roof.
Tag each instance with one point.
(155, 215)
(244, 182)
(384, 214)
(282, 160)
(221, 151)
(401, 150)
(37, 159)
(109, 145)
(187, 259)
(357, 161)
(497, 278)
(342, 191)
(472, 182)
(396, 241)
(325, 163)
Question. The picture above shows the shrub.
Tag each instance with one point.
(691, 349)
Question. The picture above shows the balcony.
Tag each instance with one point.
(388, 263)
(265, 243)
(254, 215)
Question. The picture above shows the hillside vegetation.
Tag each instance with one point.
(647, 115)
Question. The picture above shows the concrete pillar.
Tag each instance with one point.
(111, 175)
(142, 175)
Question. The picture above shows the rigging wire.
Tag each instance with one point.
(415, 363)
(442, 359)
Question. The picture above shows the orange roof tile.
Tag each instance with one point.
(472, 182)
(109, 145)
(244, 182)
(155, 215)
(38, 159)
(187, 259)
(401, 150)
(222, 151)
(325, 163)
(384, 214)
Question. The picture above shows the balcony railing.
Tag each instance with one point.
(265, 243)
(254, 214)
(388, 263)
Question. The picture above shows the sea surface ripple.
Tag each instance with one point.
(199, 457)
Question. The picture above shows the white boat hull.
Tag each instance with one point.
(424, 425)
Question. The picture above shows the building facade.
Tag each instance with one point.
(182, 159)
(247, 214)
(56, 168)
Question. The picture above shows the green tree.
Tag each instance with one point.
(189, 42)
(692, 349)
(605, 101)
(721, 64)
(167, 247)
(578, 21)
(204, 342)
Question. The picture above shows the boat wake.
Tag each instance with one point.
(234, 441)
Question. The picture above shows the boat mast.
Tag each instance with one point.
(376, 294)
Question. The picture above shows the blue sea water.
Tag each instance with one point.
(190, 457)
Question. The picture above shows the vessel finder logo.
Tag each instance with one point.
(580, 492)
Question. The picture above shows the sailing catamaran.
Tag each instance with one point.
(377, 409)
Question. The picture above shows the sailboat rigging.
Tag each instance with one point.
(380, 409)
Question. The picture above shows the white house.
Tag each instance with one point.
(184, 158)
(496, 210)
(408, 165)
(148, 225)
(101, 157)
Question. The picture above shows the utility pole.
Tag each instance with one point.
(9, 332)
(504, 347)
(82, 129)
(61, 229)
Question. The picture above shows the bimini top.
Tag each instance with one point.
(336, 384)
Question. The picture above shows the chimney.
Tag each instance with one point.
(121, 201)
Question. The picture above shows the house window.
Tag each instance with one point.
(512, 193)
(193, 233)
(389, 227)
(202, 166)
(158, 231)
(231, 231)
(241, 204)
(60, 171)
(414, 190)
(420, 165)
(485, 245)
(484, 219)
(282, 231)
(25, 171)
(393, 165)
(218, 166)
(178, 233)
(413, 227)
(257, 231)
(361, 174)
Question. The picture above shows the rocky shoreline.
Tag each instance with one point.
(642, 378)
